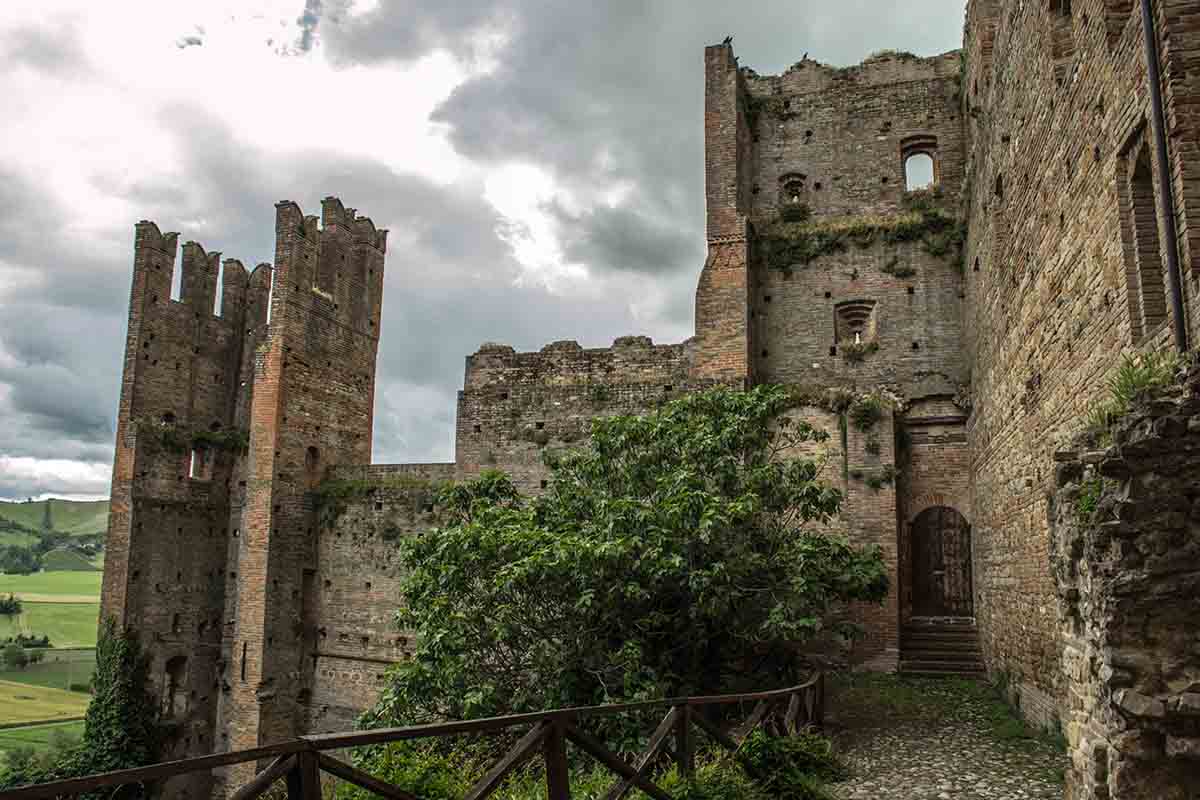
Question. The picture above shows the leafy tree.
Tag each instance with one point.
(16, 560)
(680, 552)
(10, 605)
(14, 656)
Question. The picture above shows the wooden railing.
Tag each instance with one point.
(301, 761)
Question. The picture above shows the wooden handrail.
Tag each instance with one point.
(301, 759)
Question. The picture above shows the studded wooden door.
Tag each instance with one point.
(941, 564)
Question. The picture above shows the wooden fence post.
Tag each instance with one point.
(685, 743)
(304, 781)
(558, 782)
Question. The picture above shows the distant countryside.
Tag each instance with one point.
(51, 556)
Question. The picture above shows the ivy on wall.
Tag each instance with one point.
(179, 439)
(785, 244)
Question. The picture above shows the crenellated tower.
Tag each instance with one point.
(229, 416)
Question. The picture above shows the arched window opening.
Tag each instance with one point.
(1062, 39)
(200, 466)
(175, 694)
(168, 418)
(918, 172)
(919, 161)
(1145, 286)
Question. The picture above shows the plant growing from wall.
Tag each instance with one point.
(897, 270)
(1089, 499)
(872, 445)
(867, 411)
(783, 245)
(854, 352)
(678, 552)
(176, 438)
(1134, 376)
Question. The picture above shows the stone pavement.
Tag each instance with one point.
(928, 739)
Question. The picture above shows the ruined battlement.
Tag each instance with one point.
(631, 359)
(885, 68)
(330, 267)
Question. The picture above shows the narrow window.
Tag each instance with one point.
(1062, 39)
(312, 467)
(1142, 246)
(918, 172)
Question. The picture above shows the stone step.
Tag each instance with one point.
(938, 637)
(978, 674)
(968, 666)
(968, 654)
(938, 644)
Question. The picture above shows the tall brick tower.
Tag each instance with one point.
(314, 388)
(723, 332)
(227, 419)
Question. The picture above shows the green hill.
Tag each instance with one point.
(66, 561)
(74, 517)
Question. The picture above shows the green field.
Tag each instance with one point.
(77, 517)
(44, 585)
(22, 702)
(18, 538)
(67, 624)
(37, 737)
(57, 670)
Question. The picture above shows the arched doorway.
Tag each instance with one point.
(941, 564)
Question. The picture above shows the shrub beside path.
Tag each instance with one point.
(929, 739)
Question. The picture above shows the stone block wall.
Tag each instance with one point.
(841, 135)
(1125, 535)
(1055, 99)
(916, 321)
(351, 597)
(516, 406)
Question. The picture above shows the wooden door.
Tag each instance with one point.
(941, 564)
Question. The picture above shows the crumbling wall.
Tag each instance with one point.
(516, 406)
(1125, 536)
(363, 514)
(1055, 102)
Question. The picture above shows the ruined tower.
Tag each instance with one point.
(227, 418)
(832, 269)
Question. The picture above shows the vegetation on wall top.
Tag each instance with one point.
(180, 439)
(784, 244)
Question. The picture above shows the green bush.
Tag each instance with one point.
(791, 767)
(10, 605)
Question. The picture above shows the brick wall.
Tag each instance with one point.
(1048, 290)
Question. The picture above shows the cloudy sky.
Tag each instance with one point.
(538, 162)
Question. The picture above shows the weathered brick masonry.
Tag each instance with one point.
(979, 316)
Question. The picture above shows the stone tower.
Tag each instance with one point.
(226, 420)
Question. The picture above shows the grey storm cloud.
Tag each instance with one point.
(600, 95)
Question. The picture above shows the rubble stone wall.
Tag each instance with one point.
(1126, 555)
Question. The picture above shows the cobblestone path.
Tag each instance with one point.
(929, 739)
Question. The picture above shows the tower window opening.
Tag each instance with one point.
(918, 158)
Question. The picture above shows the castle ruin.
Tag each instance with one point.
(983, 313)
